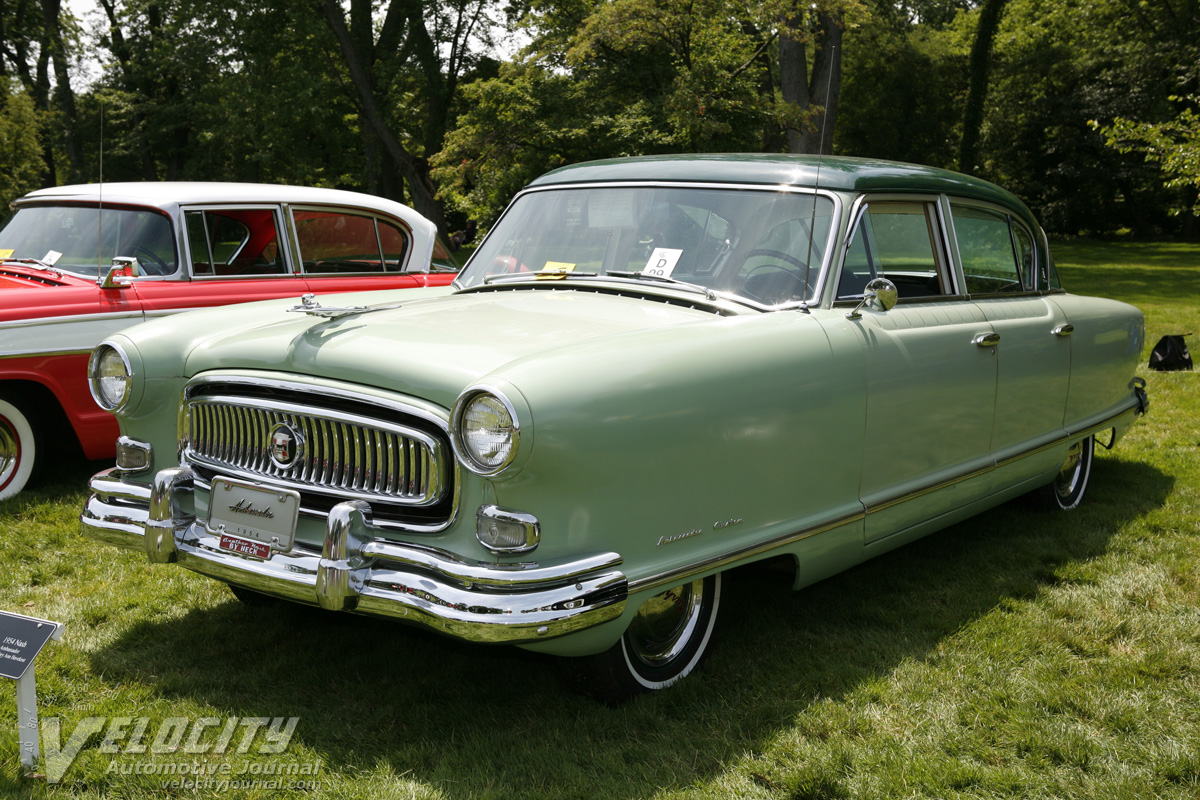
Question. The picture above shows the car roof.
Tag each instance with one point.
(835, 173)
(167, 195)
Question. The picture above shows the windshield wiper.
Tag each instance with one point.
(550, 275)
(644, 276)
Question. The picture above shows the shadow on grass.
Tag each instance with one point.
(473, 721)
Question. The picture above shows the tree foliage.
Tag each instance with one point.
(411, 100)
(1175, 145)
(629, 77)
(20, 151)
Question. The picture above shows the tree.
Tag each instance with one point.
(815, 97)
(1174, 145)
(20, 151)
(637, 76)
(905, 86)
(1059, 66)
(990, 12)
(35, 36)
(404, 76)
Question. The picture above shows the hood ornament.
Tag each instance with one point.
(309, 305)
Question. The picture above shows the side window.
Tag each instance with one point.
(335, 242)
(997, 256)
(394, 245)
(895, 240)
(232, 242)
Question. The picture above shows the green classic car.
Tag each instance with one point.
(651, 371)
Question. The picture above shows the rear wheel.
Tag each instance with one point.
(20, 448)
(670, 636)
(1066, 491)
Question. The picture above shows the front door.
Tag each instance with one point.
(930, 375)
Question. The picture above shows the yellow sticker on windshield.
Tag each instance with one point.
(554, 269)
(6, 253)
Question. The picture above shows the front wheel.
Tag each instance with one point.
(1066, 491)
(670, 636)
(20, 448)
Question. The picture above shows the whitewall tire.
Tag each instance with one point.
(19, 449)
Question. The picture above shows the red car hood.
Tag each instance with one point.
(30, 293)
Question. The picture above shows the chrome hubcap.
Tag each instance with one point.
(10, 451)
(1071, 471)
(665, 623)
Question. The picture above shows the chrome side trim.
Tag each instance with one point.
(64, 335)
(678, 576)
(42, 321)
(975, 473)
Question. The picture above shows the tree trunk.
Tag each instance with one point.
(820, 93)
(52, 41)
(980, 65)
(120, 48)
(415, 171)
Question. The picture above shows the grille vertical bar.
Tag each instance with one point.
(342, 453)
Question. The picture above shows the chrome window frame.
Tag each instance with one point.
(947, 263)
(289, 210)
(281, 231)
(1013, 220)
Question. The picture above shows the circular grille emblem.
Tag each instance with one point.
(286, 446)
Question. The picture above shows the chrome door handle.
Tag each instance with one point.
(986, 339)
(1064, 330)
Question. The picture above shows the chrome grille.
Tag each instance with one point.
(343, 454)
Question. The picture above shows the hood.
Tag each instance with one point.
(32, 294)
(431, 348)
(20, 276)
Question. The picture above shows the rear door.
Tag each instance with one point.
(1033, 352)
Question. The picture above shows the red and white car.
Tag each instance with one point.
(80, 262)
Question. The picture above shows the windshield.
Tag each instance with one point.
(764, 246)
(88, 241)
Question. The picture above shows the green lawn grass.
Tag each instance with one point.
(1019, 654)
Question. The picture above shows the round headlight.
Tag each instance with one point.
(109, 377)
(486, 432)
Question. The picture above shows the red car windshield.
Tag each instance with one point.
(87, 239)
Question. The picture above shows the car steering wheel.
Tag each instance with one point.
(779, 254)
(160, 267)
(795, 283)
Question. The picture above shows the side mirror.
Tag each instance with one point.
(880, 294)
(123, 270)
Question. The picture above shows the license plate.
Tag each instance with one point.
(244, 547)
(252, 519)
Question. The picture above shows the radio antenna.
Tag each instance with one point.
(812, 222)
(100, 209)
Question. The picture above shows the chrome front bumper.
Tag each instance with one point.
(359, 571)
